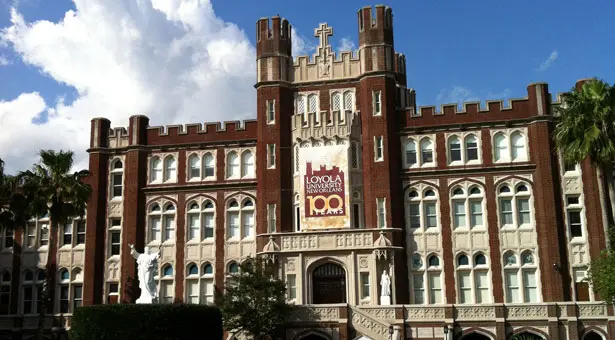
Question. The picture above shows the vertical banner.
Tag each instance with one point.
(324, 178)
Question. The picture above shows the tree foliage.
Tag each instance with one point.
(601, 274)
(254, 301)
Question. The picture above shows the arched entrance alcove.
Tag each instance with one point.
(475, 336)
(328, 284)
(526, 336)
(591, 335)
(313, 336)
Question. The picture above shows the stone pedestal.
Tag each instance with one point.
(385, 300)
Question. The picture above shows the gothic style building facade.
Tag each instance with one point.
(484, 233)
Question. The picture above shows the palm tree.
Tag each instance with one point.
(586, 129)
(59, 194)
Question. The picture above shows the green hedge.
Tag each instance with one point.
(146, 322)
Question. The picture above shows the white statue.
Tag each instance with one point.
(385, 284)
(146, 266)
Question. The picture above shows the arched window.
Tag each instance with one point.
(517, 141)
(297, 158)
(32, 291)
(194, 167)
(155, 169)
(514, 205)
(117, 174)
(201, 221)
(240, 220)
(164, 218)
(232, 165)
(454, 149)
(208, 166)
(313, 106)
(426, 151)
(471, 145)
(300, 107)
(426, 280)
(421, 208)
(473, 282)
(5, 292)
(336, 101)
(192, 284)
(170, 169)
(348, 101)
(70, 289)
(247, 164)
(501, 147)
(166, 284)
(520, 282)
(467, 206)
(410, 153)
(233, 268)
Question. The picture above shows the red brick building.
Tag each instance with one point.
(484, 232)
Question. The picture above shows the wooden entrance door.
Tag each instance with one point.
(328, 284)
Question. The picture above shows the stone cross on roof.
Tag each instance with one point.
(323, 32)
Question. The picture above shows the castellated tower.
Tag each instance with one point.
(381, 145)
(274, 110)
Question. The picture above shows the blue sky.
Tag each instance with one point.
(455, 51)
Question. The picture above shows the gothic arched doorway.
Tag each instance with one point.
(475, 336)
(328, 284)
(526, 336)
(592, 336)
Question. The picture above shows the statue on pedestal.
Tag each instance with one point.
(385, 288)
(146, 266)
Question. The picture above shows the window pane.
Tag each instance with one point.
(482, 287)
(455, 150)
(193, 291)
(506, 212)
(414, 215)
(465, 287)
(248, 224)
(574, 219)
(523, 206)
(512, 287)
(476, 209)
(208, 225)
(471, 149)
(364, 285)
(459, 211)
(431, 219)
(529, 283)
(419, 288)
(194, 226)
(435, 288)
(233, 225)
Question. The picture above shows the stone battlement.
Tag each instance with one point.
(139, 132)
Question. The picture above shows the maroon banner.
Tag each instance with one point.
(324, 191)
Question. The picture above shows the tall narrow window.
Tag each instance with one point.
(501, 147)
(232, 165)
(166, 285)
(515, 210)
(471, 144)
(155, 169)
(300, 108)
(291, 286)
(271, 111)
(426, 151)
(454, 150)
(356, 213)
(67, 233)
(364, 277)
(247, 219)
(240, 222)
(194, 167)
(80, 225)
(313, 107)
(192, 284)
(170, 169)
(114, 236)
(297, 213)
(467, 207)
(117, 172)
(194, 222)
(207, 217)
(517, 141)
(31, 235)
(5, 292)
(271, 218)
(410, 153)
(574, 216)
(381, 212)
(169, 223)
(473, 279)
(354, 155)
(271, 156)
(336, 105)
(377, 103)
(207, 284)
(296, 158)
(378, 149)
(208, 165)
(247, 164)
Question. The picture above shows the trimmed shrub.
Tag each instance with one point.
(146, 322)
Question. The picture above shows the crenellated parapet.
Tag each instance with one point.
(140, 133)
(538, 102)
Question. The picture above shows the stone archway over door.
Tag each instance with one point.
(328, 284)
(475, 336)
(313, 336)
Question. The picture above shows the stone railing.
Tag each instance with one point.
(317, 313)
(363, 322)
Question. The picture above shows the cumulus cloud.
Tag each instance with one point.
(300, 45)
(346, 44)
(4, 61)
(175, 61)
(460, 94)
(549, 61)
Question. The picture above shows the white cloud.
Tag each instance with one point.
(346, 44)
(301, 45)
(174, 61)
(549, 61)
(4, 61)
(460, 94)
